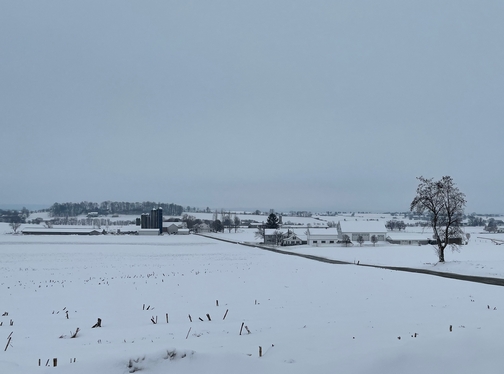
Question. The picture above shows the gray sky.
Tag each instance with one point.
(318, 105)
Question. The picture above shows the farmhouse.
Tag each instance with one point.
(273, 236)
(291, 238)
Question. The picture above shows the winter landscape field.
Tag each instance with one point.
(306, 316)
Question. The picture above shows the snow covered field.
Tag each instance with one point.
(306, 315)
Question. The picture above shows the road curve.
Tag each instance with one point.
(467, 278)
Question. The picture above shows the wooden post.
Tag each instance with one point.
(143, 308)
(450, 328)
(190, 319)
(8, 342)
(55, 362)
(47, 362)
(246, 328)
(241, 328)
(260, 351)
(166, 317)
(188, 332)
(201, 319)
(39, 362)
(97, 324)
(208, 316)
(225, 314)
(216, 302)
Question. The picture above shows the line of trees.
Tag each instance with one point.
(112, 207)
(393, 225)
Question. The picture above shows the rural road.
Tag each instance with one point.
(467, 278)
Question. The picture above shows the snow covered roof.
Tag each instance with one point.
(178, 224)
(362, 226)
(59, 231)
(395, 235)
(272, 231)
(330, 230)
(319, 233)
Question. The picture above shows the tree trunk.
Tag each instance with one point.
(441, 254)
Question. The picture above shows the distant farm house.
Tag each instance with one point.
(292, 238)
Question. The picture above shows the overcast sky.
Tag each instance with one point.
(290, 105)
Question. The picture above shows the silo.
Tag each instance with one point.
(145, 221)
(160, 220)
(153, 219)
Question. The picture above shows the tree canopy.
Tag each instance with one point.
(444, 203)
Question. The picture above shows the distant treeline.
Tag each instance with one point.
(111, 207)
(15, 216)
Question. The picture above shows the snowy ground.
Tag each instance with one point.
(306, 315)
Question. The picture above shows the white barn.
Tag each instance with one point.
(366, 229)
(322, 237)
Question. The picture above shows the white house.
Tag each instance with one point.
(273, 236)
(291, 238)
(202, 227)
(366, 229)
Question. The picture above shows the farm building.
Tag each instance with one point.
(366, 229)
(60, 231)
(322, 237)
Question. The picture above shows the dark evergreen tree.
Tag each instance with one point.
(272, 222)
(217, 226)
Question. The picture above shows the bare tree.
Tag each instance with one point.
(259, 234)
(444, 203)
(227, 221)
(279, 236)
(236, 222)
(15, 226)
(374, 239)
(360, 240)
(346, 240)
